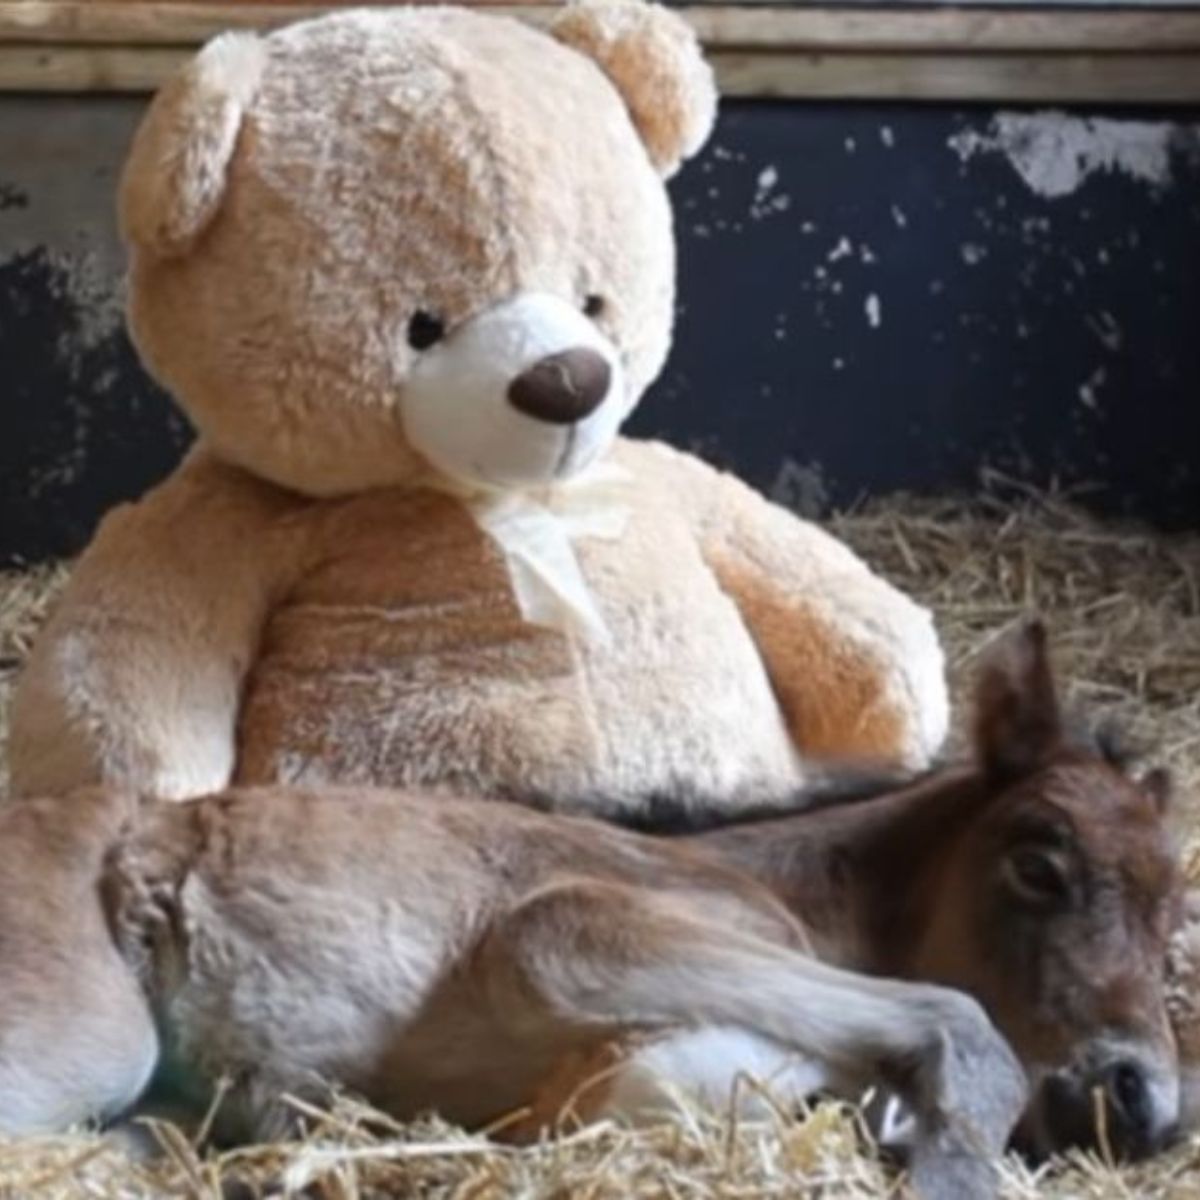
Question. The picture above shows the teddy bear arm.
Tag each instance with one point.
(136, 678)
(855, 663)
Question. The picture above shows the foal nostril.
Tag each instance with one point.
(1130, 1095)
(1120, 1106)
(1129, 1107)
(562, 388)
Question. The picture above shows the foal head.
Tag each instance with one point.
(1054, 908)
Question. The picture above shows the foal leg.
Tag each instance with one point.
(608, 958)
(714, 1067)
(641, 1078)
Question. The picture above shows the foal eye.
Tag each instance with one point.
(593, 306)
(425, 330)
(1037, 876)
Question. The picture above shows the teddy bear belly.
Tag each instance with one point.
(487, 704)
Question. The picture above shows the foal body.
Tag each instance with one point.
(476, 959)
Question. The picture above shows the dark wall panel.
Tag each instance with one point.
(878, 298)
(872, 297)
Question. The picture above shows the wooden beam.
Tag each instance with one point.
(89, 68)
(720, 27)
(1000, 78)
(989, 55)
(947, 29)
(986, 78)
(158, 22)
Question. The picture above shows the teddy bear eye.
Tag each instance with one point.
(425, 330)
(593, 306)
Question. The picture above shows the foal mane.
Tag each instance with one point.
(677, 814)
(1107, 741)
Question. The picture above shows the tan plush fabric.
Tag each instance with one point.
(307, 598)
(653, 61)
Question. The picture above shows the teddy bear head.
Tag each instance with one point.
(385, 240)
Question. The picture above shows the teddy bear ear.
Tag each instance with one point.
(174, 177)
(653, 58)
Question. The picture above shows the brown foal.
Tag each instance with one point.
(478, 958)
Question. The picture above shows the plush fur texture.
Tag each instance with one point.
(329, 224)
(653, 60)
(175, 176)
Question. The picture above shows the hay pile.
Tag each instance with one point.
(1124, 608)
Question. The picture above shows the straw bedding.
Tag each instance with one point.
(1124, 607)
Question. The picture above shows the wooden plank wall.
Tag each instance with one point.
(976, 54)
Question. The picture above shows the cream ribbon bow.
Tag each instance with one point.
(535, 530)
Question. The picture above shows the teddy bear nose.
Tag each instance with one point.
(561, 388)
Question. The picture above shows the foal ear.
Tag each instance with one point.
(1017, 719)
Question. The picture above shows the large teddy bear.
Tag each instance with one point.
(407, 272)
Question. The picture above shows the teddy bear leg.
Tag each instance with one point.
(869, 679)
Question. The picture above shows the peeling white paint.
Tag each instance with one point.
(57, 196)
(766, 201)
(842, 250)
(86, 279)
(874, 311)
(727, 154)
(1087, 391)
(886, 136)
(899, 217)
(1055, 153)
(1104, 325)
(97, 295)
(972, 253)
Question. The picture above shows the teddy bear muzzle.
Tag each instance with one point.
(562, 388)
(525, 393)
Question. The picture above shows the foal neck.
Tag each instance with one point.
(861, 877)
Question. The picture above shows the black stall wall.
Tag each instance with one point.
(881, 298)
(872, 297)
(81, 426)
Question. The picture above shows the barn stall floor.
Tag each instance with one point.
(1124, 610)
